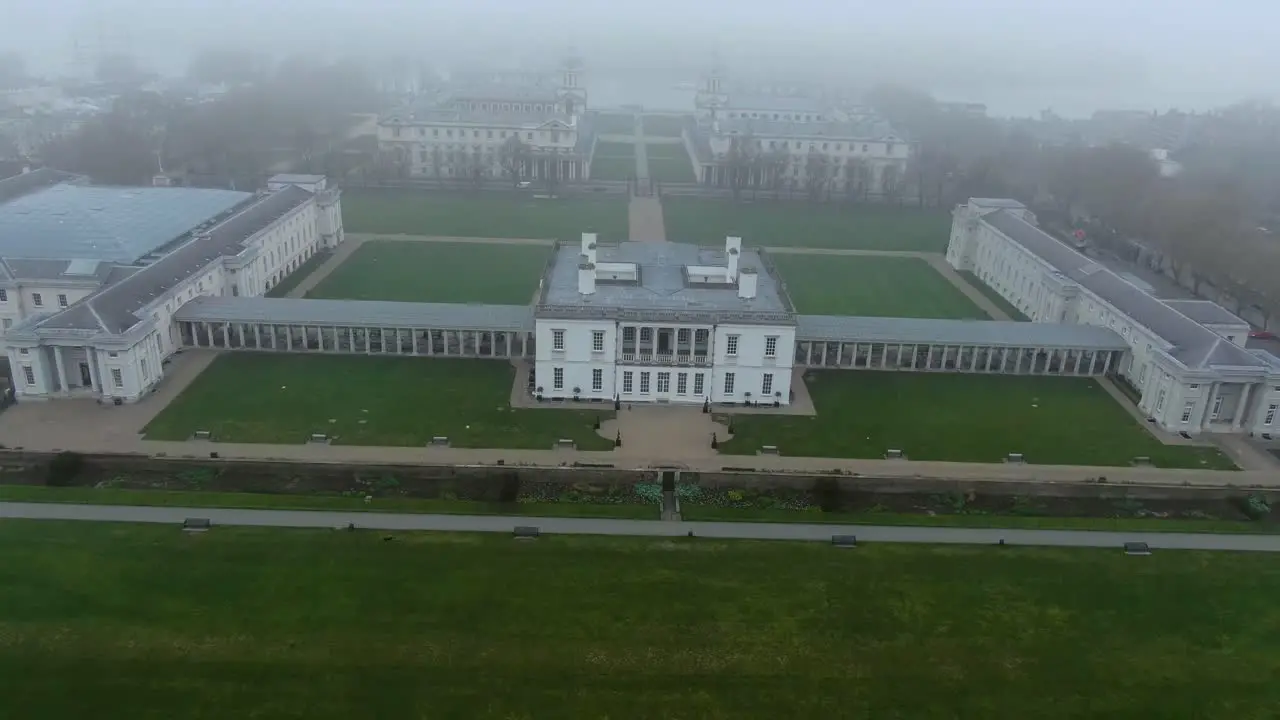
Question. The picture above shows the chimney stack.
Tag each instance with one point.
(733, 253)
(588, 241)
(587, 278)
(747, 281)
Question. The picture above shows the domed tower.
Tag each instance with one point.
(712, 95)
(572, 93)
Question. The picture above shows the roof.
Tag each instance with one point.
(296, 178)
(117, 224)
(1193, 345)
(26, 183)
(361, 313)
(872, 129)
(997, 203)
(114, 309)
(503, 92)
(1206, 312)
(662, 280)
(778, 103)
(69, 270)
(992, 333)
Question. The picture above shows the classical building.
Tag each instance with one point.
(482, 131)
(1187, 358)
(799, 143)
(91, 276)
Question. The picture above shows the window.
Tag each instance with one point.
(766, 385)
(1142, 375)
(557, 379)
(143, 364)
(117, 379)
(646, 335)
(113, 354)
(771, 346)
(597, 341)
(1194, 386)
(731, 345)
(36, 299)
(682, 336)
(4, 295)
(629, 335)
(697, 384)
(1270, 418)
(728, 383)
(644, 383)
(557, 340)
(1217, 408)
(1186, 412)
(627, 377)
(597, 380)
(682, 384)
(28, 374)
(664, 383)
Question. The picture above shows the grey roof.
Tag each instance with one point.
(997, 203)
(113, 309)
(1206, 312)
(26, 183)
(1193, 345)
(776, 103)
(299, 178)
(359, 313)
(662, 280)
(69, 270)
(874, 129)
(992, 333)
(503, 92)
(119, 224)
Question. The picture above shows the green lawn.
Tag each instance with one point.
(615, 150)
(805, 224)
(995, 297)
(614, 124)
(671, 171)
(904, 287)
(371, 401)
(291, 281)
(663, 125)
(666, 151)
(437, 272)
(146, 622)
(613, 168)
(963, 418)
(482, 214)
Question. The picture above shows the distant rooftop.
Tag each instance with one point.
(663, 284)
(778, 103)
(115, 224)
(867, 129)
(1206, 312)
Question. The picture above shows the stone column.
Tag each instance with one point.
(511, 338)
(272, 328)
(1079, 358)
(1004, 359)
(226, 335)
(257, 336)
(928, 361)
(1208, 406)
(208, 333)
(1017, 364)
(431, 342)
(1106, 361)
(240, 333)
(413, 341)
(61, 369)
(288, 338)
(91, 357)
(1242, 407)
(320, 337)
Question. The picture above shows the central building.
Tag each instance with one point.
(663, 322)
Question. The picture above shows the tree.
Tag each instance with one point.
(739, 161)
(816, 174)
(513, 157)
(891, 183)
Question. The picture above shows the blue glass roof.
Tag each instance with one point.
(117, 224)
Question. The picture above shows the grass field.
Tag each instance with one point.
(995, 297)
(963, 418)
(615, 124)
(666, 151)
(437, 272)
(146, 622)
(872, 286)
(615, 149)
(663, 125)
(291, 281)
(483, 214)
(671, 171)
(371, 400)
(613, 168)
(803, 224)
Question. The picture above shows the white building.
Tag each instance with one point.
(663, 322)
(92, 276)
(1186, 358)
(496, 130)
(775, 141)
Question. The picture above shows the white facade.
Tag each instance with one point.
(1193, 376)
(633, 351)
(111, 344)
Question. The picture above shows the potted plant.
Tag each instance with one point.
(617, 441)
(715, 444)
(539, 393)
(777, 398)
(617, 403)
(706, 405)
(576, 392)
(747, 398)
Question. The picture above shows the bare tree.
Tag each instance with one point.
(817, 167)
(513, 157)
(739, 161)
(891, 183)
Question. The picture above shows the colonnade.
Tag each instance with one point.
(357, 339)
(956, 358)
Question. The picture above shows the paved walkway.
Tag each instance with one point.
(643, 528)
(644, 216)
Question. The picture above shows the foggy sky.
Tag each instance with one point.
(1018, 56)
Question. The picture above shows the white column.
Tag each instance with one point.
(511, 338)
(431, 342)
(928, 361)
(208, 333)
(367, 341)
(1106, 361)
(91, 357)
(288, 337)
(257, 336)
(351, 339)
(1208, 406)
(1079, 357)
(60, 368)
(1004, 358)
(1017, 364)
(320, 337)
(226, 335)
(991, 353)
(240, 333)
(273, 335)
(475, 342)
(398, 346)
(413, 340)
(1242, 406)
(973, 360)
(840, 354)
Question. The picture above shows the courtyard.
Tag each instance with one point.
(367, 400)
(437, 272)
(874, 286)
(506, 214)
(669, 162)
(613, 161)
(964, 418)
(766, 222)
(258, 622)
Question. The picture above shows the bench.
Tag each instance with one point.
(769, 450)
(440, 441)
(564, 444)
(893, 454)
(196, 525)
(1136, 548)
(1015, 458)
(1141, 461)
(844, 541)
(526, 532)
(202, 435)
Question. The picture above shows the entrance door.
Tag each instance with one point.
(86, 380)
(664, 387)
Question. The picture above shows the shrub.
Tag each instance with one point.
(1256, 507)
(64, 468)
(827, 492)
(509, 491)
